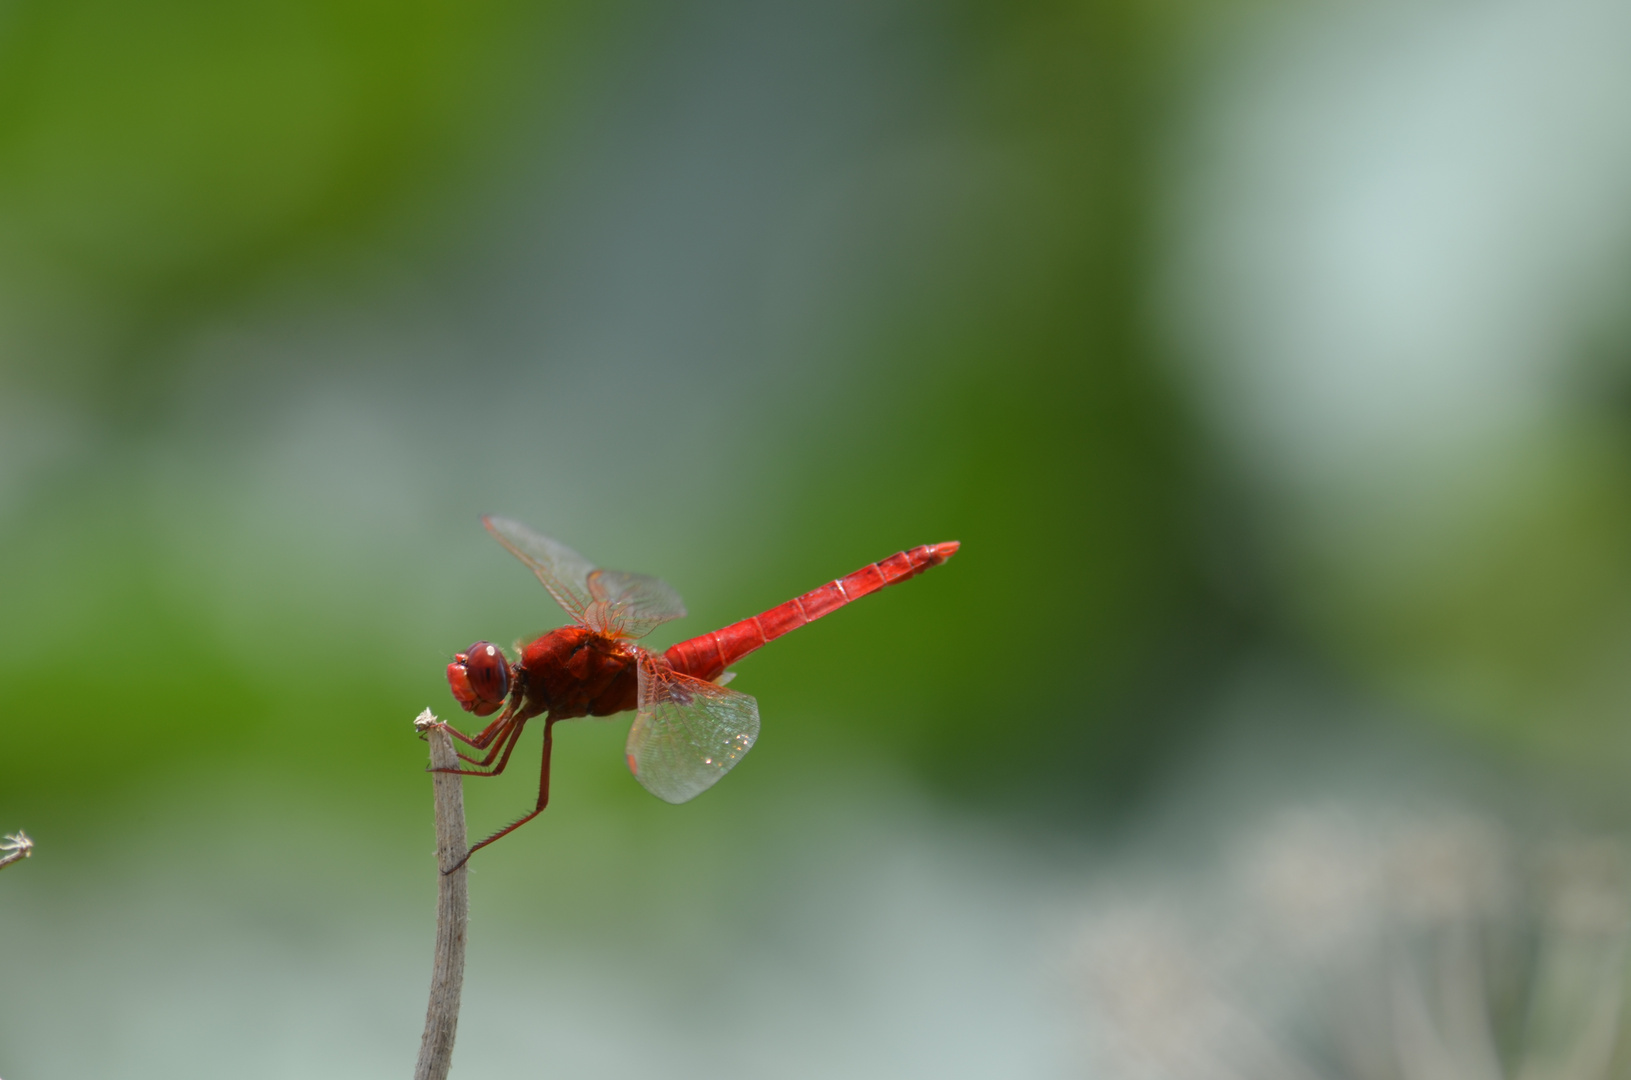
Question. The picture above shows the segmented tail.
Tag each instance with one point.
(708, 656)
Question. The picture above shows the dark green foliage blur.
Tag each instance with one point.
(158, 161)
(157, 165)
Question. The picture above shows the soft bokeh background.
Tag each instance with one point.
(1271, 361)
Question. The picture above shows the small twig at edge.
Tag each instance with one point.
(452, 906)
(16, 848)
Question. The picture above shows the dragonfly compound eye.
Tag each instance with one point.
(480, 678)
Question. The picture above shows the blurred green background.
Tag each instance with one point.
(1270, 361)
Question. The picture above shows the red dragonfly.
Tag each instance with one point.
(689, 729)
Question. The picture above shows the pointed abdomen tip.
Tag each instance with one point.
(946, 550)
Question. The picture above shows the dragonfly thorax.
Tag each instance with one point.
(574, 671)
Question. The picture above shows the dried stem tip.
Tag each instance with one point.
(16, 848)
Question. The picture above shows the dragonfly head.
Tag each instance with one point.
(480, 678)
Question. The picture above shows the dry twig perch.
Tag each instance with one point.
(452, 906)
(16, 848)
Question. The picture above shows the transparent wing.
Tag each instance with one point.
(610, 602)
(563, 571)
(688, 733)
(631, 605)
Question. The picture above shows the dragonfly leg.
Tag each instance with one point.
(484, 738)
(496, 733)
(511, 737)
(506, 737)
(543, 799)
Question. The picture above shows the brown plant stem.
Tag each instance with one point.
(452, 906)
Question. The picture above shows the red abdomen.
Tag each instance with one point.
(708, 656)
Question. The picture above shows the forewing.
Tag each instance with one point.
(631, 605)
(688, 733)
(563, 571)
